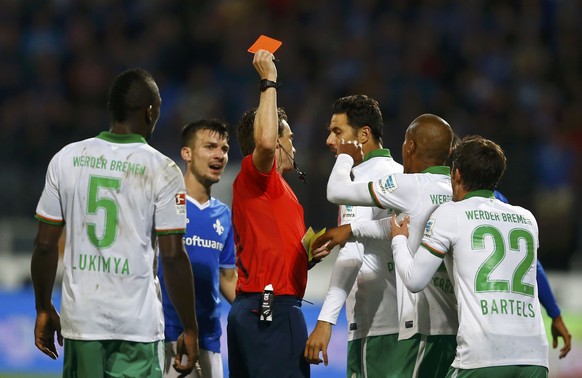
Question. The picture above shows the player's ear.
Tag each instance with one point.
(149, 115)
(456, 175)
(186, 153)
(364, 134)
(410, 146)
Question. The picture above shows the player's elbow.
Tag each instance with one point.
(415, 288)
(414, 285)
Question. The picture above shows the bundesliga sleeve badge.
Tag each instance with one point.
(180, 203)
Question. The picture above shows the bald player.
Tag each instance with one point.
(490, 248)
(428, 318)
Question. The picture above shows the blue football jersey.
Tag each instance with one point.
(210, 246)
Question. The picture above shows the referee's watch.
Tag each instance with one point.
(265, 83)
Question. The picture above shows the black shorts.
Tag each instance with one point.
(266, 349)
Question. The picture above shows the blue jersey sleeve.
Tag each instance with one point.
(545, 294)
(227, 256)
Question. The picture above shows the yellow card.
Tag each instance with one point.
(309, 237)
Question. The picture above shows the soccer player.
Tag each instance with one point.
(362, 266)
(427, 320)
(266, 328)
(118, 199)
(209, 243)
(490, 249)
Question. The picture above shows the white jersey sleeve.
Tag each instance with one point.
(415, 272)
(170, 202)
(49, 206)
(375, 229)
(341, 190)
(346, 267)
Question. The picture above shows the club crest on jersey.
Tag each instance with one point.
(348, 212)
(180, 203)
(428, 227)
(218, 227)
(389, 185)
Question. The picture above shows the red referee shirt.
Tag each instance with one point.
(268, 223)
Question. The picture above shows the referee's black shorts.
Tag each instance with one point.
(266, 349)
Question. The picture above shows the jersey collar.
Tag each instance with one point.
(121, 138)
(380, 152)
(480, 193)
(438, 170)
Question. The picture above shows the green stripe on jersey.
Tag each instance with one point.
(54, 222)
(433, 251)
(373, 195)
(170, 232)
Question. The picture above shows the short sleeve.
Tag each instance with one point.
(49, 209)
(170, 201)
(227, 257)
(440, 232)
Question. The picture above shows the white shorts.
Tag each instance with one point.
(210, 363)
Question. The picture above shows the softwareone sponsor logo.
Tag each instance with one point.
(197, 241)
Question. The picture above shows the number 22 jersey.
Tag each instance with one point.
(494, 252)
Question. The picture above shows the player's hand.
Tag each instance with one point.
(352, 148)
(399, 229)
(559, 330)
(318, 342)
(187, 346)
(319, 253)
(47, 324)
(333, 237)
(265, 65)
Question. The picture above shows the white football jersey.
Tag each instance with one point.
(494, 253)
(365, 267)
(114, 193)
(433, 310)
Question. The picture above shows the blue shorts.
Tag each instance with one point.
(266, 349)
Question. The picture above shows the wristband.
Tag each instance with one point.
(265, 83)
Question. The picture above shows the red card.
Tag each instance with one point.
(265, 43)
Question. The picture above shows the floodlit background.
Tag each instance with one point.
(508, 70)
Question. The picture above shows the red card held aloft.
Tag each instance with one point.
(265, 43)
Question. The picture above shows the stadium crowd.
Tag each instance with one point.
(509, 71)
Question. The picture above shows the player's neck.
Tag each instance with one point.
(196, 189)
(370, 146)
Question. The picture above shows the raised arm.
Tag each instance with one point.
(341, 190)
(266, 120)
